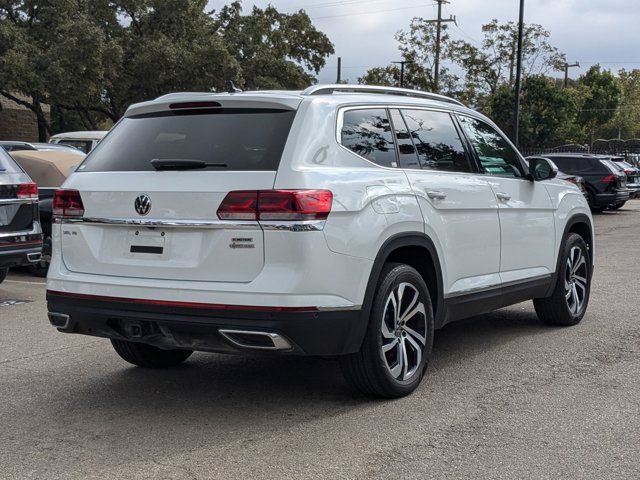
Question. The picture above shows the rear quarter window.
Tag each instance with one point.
(8, 164)
(241, 139)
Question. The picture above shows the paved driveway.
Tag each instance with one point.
(504, 398)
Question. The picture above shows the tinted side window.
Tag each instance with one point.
(437, 141)
(406, 148)
(7, 164)
(368, 133)
(496, 156)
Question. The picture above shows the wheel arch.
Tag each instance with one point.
(582, 225)
(417, 250)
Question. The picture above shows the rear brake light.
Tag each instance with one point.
(276, 205)
(239, 205)
(27, 190)
(610, 178)
(67, 203)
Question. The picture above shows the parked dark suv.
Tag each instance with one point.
(20, 231)
(606, 186)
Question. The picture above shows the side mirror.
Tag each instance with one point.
(541, 168)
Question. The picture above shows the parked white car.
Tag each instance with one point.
(343, 221)
(85, 141)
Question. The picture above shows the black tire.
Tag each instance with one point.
(617, 206)
(562, 308)
(3, 274)
(369, 370)
(148, 356)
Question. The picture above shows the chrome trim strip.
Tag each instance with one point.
(344, 308)
(34, 231)
(17, 201)
(497, 286)
(294, 226)
(290, 226)
(150, 222)
(279, 342)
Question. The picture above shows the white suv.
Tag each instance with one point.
(344, 221)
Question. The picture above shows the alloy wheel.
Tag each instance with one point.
(403, 332)
(576, 278)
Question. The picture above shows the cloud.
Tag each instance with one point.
(588, 31)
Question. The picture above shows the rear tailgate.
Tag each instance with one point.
(188, 243)
(145, 223)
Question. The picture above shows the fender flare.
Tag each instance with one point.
(573, 220)
(408, 239)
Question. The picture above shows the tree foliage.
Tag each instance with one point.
(90, 59)
(602, 99)
(273, 49)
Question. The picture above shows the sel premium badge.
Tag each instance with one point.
(143, 204)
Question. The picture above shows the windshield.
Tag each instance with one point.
(239, 139)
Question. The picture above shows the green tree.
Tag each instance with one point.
(50, 54)
(164, 46)
(274, 50)
(603, 96)
(626, 121)
(548, 114)
(493, 63)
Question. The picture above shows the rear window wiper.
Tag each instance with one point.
(182, 164)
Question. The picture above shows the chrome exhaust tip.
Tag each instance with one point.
(34, 257)
(256, 340)
(59, 320)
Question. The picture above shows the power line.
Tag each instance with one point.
(372, 13)
(439, 21)
(335, 3)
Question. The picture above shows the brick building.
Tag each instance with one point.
(18, 122)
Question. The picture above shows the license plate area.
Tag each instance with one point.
(147, 242)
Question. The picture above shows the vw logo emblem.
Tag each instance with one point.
(143, 204)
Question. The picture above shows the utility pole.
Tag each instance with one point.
(516, 128)
(566, 72)
(339, 76)
(439, 21)
(402, 63)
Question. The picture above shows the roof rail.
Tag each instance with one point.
(343, 88)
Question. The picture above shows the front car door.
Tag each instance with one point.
(459, 208)
(527, 225)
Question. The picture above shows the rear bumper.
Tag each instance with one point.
(198, 327)
(17, 256)
(606, 199)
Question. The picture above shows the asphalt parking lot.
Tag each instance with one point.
(504, 398)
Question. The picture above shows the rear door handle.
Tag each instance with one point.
(505, 197)
(436, 195)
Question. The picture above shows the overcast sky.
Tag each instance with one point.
(588, 31)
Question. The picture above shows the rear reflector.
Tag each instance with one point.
(27, 190)
(169, 303)
(67, 203)
(276, 205)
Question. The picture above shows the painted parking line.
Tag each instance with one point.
(25, 282)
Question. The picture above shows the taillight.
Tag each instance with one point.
(628, 172)
(276, 205)
(610, 178)
(27, 190)
(67, 203)
(239, 205)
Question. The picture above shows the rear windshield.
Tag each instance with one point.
(7, 164)
(241, 139)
